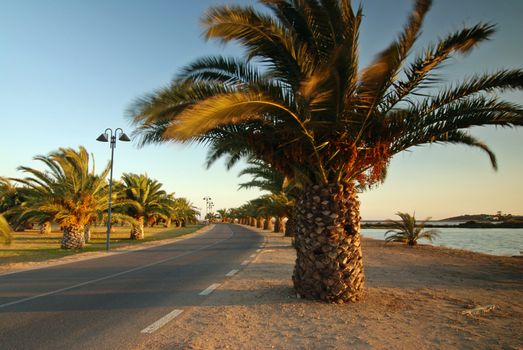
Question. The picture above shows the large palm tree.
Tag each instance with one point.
(145, 200)
(68, 191)
(300, 102)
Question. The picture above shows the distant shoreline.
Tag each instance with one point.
(468, 224)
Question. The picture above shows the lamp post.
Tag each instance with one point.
(105, 137)
(207, 205)
(211, 212)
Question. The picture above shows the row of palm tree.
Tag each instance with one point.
(280, 201)
(299, 101)
(70, 193)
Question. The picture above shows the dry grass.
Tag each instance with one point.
(31, 246)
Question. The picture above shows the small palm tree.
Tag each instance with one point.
(408, 231)
(144, 201)
(223, 214)
(184, 211)
(69, 192)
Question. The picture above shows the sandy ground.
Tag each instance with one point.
(416, 298)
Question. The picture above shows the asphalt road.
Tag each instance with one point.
(116, 301)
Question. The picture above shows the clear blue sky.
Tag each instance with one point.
(69, 69)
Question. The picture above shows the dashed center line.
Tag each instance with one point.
(209, 289)
(245, 262)
(162, 321)
(258, 250)
(232, 273)
(253, 255)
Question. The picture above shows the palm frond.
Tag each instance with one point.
(379, 75)
(420, 73)
(260, 35)
(232, 108)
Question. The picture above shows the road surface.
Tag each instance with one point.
(116, 301)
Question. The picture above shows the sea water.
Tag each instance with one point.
(495, 241)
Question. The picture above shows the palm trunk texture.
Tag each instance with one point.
(277, 225)
(267, 225)
(290, 226)
(73, 237)
(329, 264)
(137, 230)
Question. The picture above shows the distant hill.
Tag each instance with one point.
(484, 217)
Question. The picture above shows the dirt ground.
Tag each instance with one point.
(416, 298)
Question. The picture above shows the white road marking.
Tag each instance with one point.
(162, 321)
(209, 289)
(110, 276)
(253, 255)
(258, 250)
(232, 273)
(245, 262)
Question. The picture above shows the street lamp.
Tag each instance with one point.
(207, 205)
(105, 137)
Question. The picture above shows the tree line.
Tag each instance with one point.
(69, 192)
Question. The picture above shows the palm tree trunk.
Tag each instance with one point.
(137, 230)
(278, 224)
(168, 222)
(267, 225)
(290, 226)
(87, 233)
(73, 237)
(45, 228)
(329, 263)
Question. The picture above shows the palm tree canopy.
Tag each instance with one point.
(144, 196)
(68, 191)
(11, 201)
(184, 209)
(264, 177)
(9, 196)
(300, 101)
